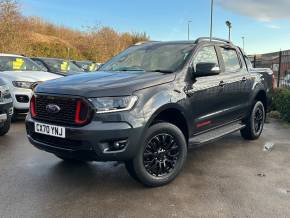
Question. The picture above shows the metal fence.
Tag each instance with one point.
(279, 62)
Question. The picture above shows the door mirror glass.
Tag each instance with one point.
(206, 69)
(206, 62)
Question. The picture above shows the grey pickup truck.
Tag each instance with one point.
(149, 104)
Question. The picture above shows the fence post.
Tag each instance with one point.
(279, 71)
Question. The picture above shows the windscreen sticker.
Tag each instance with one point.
(17, 64)
(92, 67)
(64, 67)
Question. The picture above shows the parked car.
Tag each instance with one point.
(21, 75)
(87, 66)
(148, 104)
(58, 66)
(286, 81)
(6, 108)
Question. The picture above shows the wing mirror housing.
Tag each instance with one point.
(206, 69)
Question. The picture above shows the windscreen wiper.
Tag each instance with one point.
(162, 71)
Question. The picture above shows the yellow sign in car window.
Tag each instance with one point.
(92, 67)
(17, 64)
(64, 67)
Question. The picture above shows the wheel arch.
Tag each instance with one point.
(173, 114)
(261, 95)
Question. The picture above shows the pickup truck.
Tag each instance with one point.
(6, 108)
(149, 104)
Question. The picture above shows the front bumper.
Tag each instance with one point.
(90, 142)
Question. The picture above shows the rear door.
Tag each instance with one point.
(237, 84)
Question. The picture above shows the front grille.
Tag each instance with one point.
(67, 106)
(22, 98)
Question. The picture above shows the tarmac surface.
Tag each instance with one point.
(228, 178)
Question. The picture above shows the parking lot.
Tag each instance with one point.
(228, 178)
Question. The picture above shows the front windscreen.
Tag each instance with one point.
(167, 57)
(10, 63)
(62, 66)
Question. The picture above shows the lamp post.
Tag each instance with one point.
(243, 38)
(188, 29)
(211, 20)
(229, 25)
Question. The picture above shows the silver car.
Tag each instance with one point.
(21, 74)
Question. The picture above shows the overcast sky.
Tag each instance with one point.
(265, 24)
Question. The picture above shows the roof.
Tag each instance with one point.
(10, 55)
(44, 58)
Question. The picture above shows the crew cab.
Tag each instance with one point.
(21, 74)
(6, 108)
(149, 104)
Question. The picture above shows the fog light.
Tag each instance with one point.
(119, 145)
(114, 146)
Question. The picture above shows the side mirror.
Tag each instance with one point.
(206, 69)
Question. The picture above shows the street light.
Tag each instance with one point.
(229, 25)
(211, 19)
(188, 29)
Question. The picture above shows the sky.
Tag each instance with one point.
(265, 24)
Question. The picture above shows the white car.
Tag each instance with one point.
(21, 74)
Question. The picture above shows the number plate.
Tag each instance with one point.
(51, 130)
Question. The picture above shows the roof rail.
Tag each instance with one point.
(213, 39)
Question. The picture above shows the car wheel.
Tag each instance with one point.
(161, 156)
(5, 128)
(255, 122)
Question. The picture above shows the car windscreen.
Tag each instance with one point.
(62, 66)
(10, 63)
(163, 57)
(87, 65)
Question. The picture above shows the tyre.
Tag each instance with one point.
(160, 157)
(255, 122)
(5, 128)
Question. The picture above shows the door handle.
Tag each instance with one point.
(222, 84)
(244, 79)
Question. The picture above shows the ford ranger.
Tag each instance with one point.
(149, 104)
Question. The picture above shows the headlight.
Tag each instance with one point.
(22, 84)
(114, 104)
(5, 96)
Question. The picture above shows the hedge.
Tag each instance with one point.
(282, 103)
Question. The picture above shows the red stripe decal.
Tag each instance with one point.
(202, 124)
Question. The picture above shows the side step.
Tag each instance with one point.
(215, 134)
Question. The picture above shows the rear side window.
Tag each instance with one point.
(231, 59)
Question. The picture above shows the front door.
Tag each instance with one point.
(205, 93)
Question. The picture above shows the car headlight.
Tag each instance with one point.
(114, 104)
(5, 96)
(23, 84)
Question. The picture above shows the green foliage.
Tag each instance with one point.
(282, 103)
